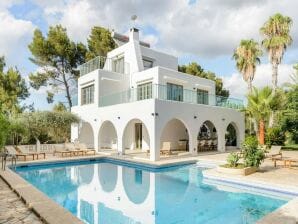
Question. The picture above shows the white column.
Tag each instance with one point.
(221, 145)
(120, 144)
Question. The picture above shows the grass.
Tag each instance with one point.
(291, 147)
(239, 166)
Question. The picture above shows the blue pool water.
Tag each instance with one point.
(110, 193)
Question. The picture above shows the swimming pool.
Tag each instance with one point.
(110, 192)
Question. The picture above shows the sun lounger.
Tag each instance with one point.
(62, 152)
(13, 152)
(84, 149)
(35, 154)
(274, 151)
(73, 149)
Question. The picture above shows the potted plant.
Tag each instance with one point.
(251, 155)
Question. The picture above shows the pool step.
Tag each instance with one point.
(209, 163)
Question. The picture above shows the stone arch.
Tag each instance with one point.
(207, 137)
(86, 134)
(107, 136)
(176, 132)
(232, 137)
(136, 135)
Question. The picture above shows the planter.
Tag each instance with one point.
(237, 171)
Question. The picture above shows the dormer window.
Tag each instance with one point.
(147, 63)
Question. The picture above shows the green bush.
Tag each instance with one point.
(252, 156)
(233, 159)
(4, 130)
(275, 136)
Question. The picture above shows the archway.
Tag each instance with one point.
(136, 136)
(107, 136)
(207, 137)
(86, 135)
(174, 137)
(231, 136)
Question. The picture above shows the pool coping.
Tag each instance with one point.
(52, 213)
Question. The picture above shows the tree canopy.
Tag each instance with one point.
(58, 58)
(13, 89)
(195, 69)
(100, 42)
(276, 32)
(247, 57)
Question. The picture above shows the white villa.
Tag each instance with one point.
(136, 100)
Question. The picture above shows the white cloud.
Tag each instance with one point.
(238, 87)
(15, 34)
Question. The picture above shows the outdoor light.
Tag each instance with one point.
(95, 119)
(223, 119)
(195, 117)
(152, 114)
(118, 117)
(156, 114)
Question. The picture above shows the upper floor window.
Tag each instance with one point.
(87, 94)
(174, 92)
(118, 64)
(145, 91)
(202, 96)
(147, 63)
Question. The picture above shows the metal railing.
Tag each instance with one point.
(108, 64)
(162, 92)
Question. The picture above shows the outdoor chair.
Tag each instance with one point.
(13, 152)
(166, 148)
(274, 151)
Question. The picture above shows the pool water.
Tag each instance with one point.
(108, 193)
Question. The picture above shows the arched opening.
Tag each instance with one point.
(231, 136)
(136, 136)
(207, 137)
(86, 135)
(174, 138)
(107, 174)
(107, 136)
(136, 184)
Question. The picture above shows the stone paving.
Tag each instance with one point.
(12, 208)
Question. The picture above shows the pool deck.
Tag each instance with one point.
(50, 212)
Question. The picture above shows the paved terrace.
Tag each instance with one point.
(51, 212)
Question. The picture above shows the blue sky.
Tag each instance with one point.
(204, 31)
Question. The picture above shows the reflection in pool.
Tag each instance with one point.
(101, 192)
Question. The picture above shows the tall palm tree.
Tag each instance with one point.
(260, 104)
(277, 38)
(247, 57)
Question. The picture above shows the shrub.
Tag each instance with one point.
(275, 136)
(253, 156)
(233, 159)
(4, 130)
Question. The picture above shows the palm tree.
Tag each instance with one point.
(261, 102)
(247, 57)
(277, 37)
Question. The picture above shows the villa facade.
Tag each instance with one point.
(135, 99)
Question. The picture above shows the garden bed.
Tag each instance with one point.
(238, 170)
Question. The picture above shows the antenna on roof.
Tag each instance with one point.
(134, 18)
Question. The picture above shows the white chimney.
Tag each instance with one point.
(134, 34)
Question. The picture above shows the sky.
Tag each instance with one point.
(204, 31)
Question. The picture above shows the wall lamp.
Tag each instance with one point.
(118, 118)
(154, 114)
(195, 117)
(223, 119)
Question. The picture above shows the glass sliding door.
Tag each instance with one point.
(138, 135)
(144, 91)
(174, 92)
(202, 96)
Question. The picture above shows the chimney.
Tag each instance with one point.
(134, 34)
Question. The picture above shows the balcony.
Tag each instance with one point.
(109, 64)
(161, 92)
